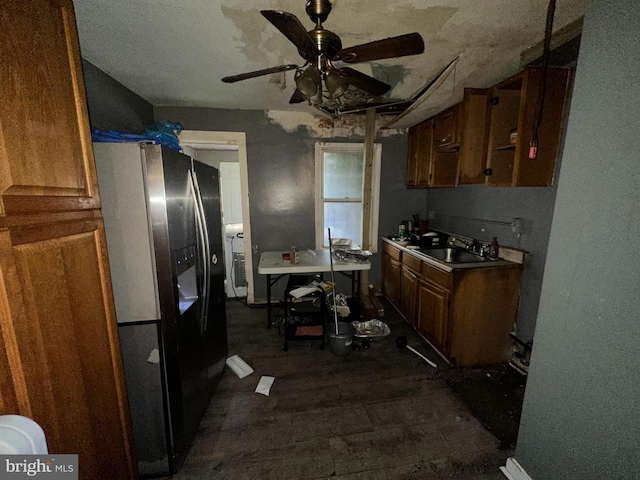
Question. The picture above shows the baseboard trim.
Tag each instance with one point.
(514, 471)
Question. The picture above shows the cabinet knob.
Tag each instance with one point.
(488, 171)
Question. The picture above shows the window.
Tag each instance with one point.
(339, 192)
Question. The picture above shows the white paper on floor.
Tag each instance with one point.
(239, 366)
(264, 385)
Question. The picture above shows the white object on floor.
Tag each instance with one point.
(239, 366)
(514, 471)
(422, 356)
(154, 356)
(264, 385)
(21, 436)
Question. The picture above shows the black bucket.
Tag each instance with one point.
(340, 342)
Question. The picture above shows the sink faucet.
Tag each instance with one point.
(473, 246)
(452, 242)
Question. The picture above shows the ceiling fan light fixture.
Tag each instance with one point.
(317, 98)
(309, 82)
(336, 82)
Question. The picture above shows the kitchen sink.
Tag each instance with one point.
(454, 255)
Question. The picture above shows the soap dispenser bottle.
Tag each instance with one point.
(494, 248)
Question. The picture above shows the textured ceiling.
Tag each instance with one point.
(175, 53)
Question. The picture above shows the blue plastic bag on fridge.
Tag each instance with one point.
(164, 130)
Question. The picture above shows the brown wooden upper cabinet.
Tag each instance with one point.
(445, 129)
(486, 137)
(428, 166)
(474, 135)
(513, 106)
(419, 156)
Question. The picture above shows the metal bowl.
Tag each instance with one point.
(373, 329)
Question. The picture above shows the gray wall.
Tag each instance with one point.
(580, 418)
(497, 207)
(281, 179)
(112, 106)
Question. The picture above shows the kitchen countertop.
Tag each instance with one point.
(449, 267)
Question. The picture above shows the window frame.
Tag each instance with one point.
(320, 149)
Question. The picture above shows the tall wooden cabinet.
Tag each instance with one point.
(60, 360)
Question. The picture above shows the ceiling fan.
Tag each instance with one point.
(320, 48)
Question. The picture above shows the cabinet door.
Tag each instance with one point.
(444, 169)
(408, 284)
(385, 272)
(45, 143)
(392, 286)
(513, 108)
(412, 157)
(59, 333)
(419, 154)
(474, 135)
(425, 146)
(445, 128)
(432, 314)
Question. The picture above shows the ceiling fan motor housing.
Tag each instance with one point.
(318, 10)
(327, 42)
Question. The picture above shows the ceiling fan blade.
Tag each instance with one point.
(365, 82)
(297, 97)
(400, 46)
(258, 73)
(291, 28)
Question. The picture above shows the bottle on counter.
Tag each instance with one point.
(494, 249)
(294, 255)
(401, 231)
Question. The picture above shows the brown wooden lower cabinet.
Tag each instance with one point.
(432, 313)
(467, 314)
(391, 273)
(408, 286)
(61, 363)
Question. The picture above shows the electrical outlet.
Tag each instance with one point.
(432, 214)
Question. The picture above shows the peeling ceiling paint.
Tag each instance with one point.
(321, 126)
(175, 53)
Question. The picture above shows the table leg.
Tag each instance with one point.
(268, 300)
(353, 284)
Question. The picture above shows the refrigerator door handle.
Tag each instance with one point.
(207, 249)
(204, 248)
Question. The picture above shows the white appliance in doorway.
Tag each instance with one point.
(234, 261)
(236, 280)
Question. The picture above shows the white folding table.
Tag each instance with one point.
(311, 261)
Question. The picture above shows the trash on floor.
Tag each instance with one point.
(264, 385)
(401, 342)
(374, 330)
(239, 366)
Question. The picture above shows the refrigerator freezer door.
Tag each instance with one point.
(208, 179)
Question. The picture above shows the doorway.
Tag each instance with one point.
(227, 151)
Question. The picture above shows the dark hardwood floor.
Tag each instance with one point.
(378, 413)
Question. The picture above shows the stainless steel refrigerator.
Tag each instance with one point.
(163, 225)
